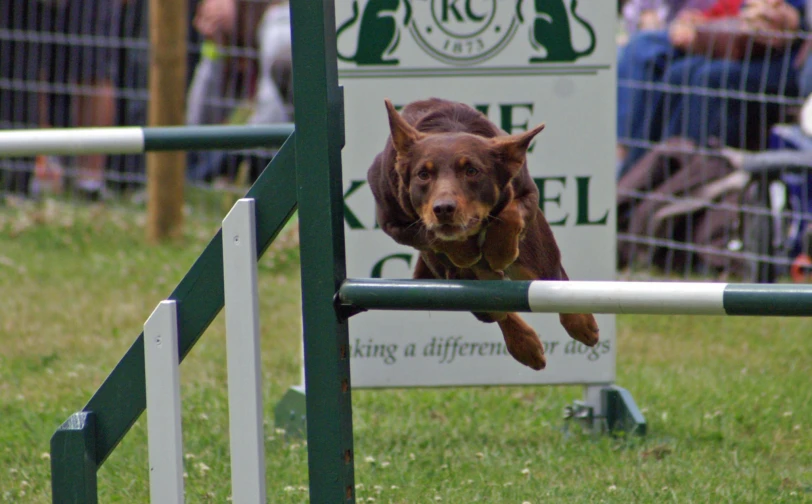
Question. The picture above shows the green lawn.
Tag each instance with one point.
(728, 400)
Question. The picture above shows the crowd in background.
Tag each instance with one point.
(697, 74)
(717, 72)
(714, 153)
(73, 63)
(84, 63)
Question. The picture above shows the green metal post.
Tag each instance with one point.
(318, 102)
(73, 461)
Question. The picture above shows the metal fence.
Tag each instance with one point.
(713, 167)
(67, 63)
(737, 211)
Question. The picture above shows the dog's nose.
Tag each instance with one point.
(444, 209)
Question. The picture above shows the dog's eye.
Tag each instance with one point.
(471, 171)
(423, 174)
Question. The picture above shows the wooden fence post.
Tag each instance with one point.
(167, 97)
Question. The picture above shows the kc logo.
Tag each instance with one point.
(450, 6)
(464, 32)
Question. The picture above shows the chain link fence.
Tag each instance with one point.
(74, 63)
(713, 168)
(713, 165)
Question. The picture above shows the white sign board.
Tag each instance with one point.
(521, 62)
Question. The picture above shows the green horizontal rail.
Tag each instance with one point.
(215, 137)
(440, 295)
(791, 300)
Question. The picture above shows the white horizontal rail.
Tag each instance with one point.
(619, 297)
(72, 141)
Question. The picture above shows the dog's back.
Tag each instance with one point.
(436, 115)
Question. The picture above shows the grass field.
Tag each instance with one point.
(728, 400)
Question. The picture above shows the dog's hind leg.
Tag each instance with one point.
(580, 326)
(521, 340)
(482, 274)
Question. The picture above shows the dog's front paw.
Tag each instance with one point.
(463, 254)
(501, 246)
(500, 252)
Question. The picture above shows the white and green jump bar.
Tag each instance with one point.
(664, 298)
(137, 140)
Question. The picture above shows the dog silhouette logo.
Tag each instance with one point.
(551, 32)
(378, 33)
(463, 32)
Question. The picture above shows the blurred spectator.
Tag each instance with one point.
(81, 84)
(127, 171)
(18, 60)
(216, 20)
(227, 28)
(18, 95)
(643, 15)
(805, 76)
(274, 101)
(95, 67)
(134, 58)
(700, 100)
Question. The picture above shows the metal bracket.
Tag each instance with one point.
(345, 311)
(580, 411)
(290, 412)
(616, 413)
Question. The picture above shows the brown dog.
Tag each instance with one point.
(455, 187)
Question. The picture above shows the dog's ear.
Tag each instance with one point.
(512, 149)
(403, 134)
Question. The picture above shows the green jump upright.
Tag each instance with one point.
(82, 444)
(307, 170)
(319, 110)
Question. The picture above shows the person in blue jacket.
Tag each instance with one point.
(665, 90)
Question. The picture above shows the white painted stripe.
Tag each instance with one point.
(244, 370)
(165, 443)
(68, 141)
(627, 297)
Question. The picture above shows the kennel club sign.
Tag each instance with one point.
(520, 62)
